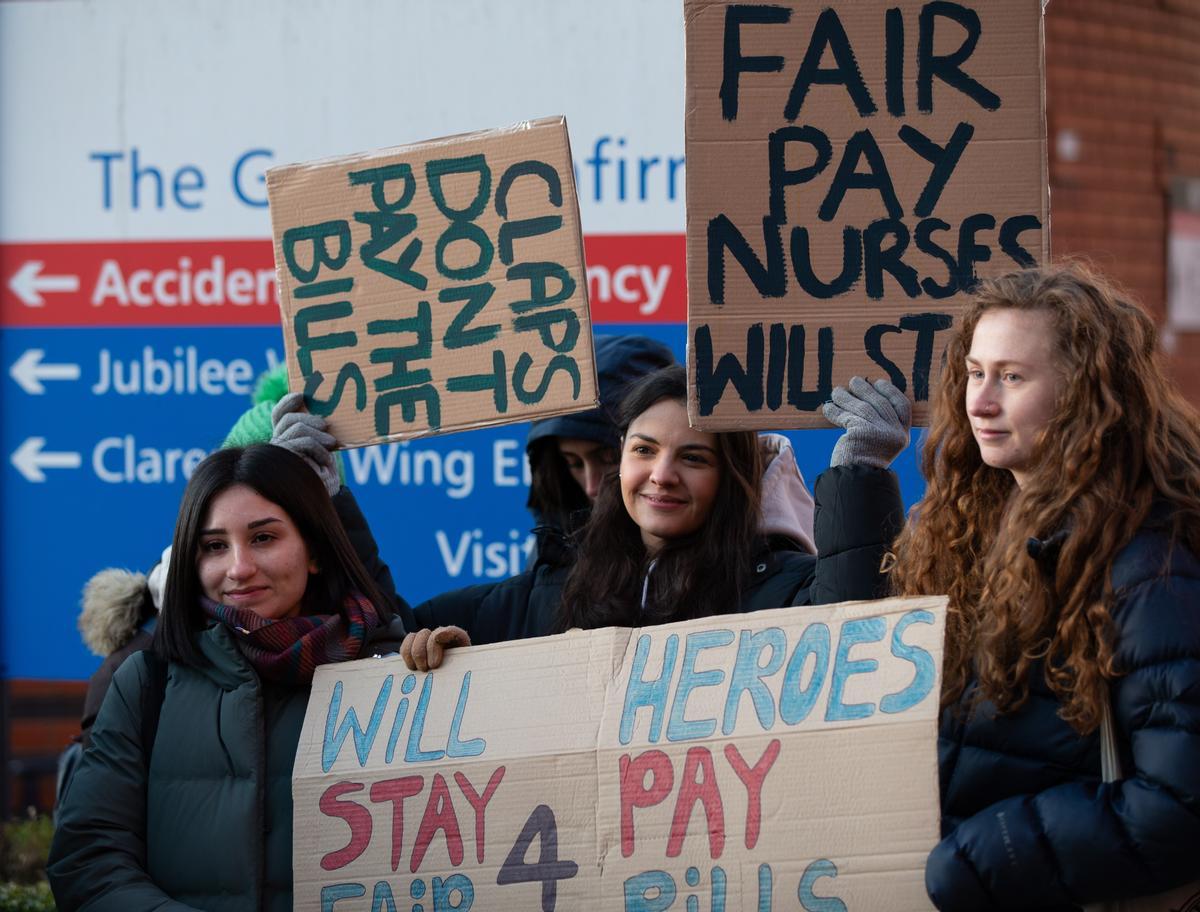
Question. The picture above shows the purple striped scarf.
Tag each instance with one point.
(289, 649)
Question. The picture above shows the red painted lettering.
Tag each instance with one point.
(691, 790)
(479, 804)
(752, 777)
(357, 816)
(395, 791)
(439, 815)
(636, 794)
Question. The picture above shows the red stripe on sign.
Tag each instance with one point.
(637, 278)
(631, 279)
(139, 283)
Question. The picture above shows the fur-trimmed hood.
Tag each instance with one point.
(117, 602)
(113, 604)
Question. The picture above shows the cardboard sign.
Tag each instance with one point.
(853, 169)
(716, 765)
(435, 287)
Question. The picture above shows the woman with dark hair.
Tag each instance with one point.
(183, 799)
(570, 455)
(695, 518)
(1062, 517)
(120, 608)
(676, 533)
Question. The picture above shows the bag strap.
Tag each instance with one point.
(152, 700)
(1110, 760)
(1182, 897)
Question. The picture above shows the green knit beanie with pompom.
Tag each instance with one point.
(255, 425)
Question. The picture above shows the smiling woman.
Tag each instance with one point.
(679, 531)
(193, 747)
(670, 474)
(675, 535)
(570, 455)
(252, 555)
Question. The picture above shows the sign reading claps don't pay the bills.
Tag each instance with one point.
(782, 760)
(435, 287)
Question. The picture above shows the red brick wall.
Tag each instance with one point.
(43, 717)
(1123, 76)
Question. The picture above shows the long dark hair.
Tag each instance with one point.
(555, 497)
(1121, 439)
(699, 575)
(285, 479)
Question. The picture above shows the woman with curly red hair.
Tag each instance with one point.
(1062, 517)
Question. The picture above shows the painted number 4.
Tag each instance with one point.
(548, 870)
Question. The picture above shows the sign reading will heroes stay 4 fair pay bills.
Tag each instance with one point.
(744, 762)
(853, 169)
(435, 287)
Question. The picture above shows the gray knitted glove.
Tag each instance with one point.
(295, 429)
(876, 419)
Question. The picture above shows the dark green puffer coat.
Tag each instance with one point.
(209, 825)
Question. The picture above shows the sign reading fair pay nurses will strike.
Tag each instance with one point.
(853, 170)
(435, 287)
(782, 760)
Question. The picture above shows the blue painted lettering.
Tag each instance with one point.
(924, 673)
(748, 674)
(679, 728)
(335, 731)
(652, 693)
(860, 630)
(797, 701)
(454, 746)
(822, 867)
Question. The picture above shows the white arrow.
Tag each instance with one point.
(28, 281)
(30, 460)
(29, 371)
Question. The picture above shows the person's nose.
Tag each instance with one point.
(241, 563)
(663, 472)
(982, 401)
(593, 474)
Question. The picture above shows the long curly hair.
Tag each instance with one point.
(1120, 439)
(696, 576)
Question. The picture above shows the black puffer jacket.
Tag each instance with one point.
(858, 514)
(1026, 820)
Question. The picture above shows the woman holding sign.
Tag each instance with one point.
(183, 800)
(676, 533)
(1062, 517)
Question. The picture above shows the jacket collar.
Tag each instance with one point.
(227, 667)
